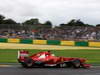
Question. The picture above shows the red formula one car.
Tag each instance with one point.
(47, 59)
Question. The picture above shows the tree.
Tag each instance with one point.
(74, 22)
(1, 19)
(63, 25)
(71, 23)
(48, 24)
(79, 23)
(31, 22)
(9, 21)
(98, 25)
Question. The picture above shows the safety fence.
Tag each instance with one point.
(51, 42)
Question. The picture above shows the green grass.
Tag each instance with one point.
(93, 56)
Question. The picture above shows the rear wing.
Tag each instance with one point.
(22, 54)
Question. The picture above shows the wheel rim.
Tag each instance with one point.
(76, 63)
(29, 64)
(62, 65)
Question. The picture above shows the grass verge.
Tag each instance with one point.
(93, 56)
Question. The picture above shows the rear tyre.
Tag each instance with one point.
(76, 63)
(28, 63)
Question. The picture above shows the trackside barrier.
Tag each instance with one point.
(13, 40)
(26, 41)
(81, 43)
(53, 42)
(40, 42)
(94, 44)
(3, 40)
(68, 43)
(50, 42)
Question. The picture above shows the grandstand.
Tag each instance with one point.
(75, 33)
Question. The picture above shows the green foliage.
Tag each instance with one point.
(98, 25)
(74, 22)
(9, 21)
(1, 19)
(31, 22)
(6, 21)
(47, 24)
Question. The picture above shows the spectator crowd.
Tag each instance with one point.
(78, 33)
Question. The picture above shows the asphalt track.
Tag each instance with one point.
(18, 70)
